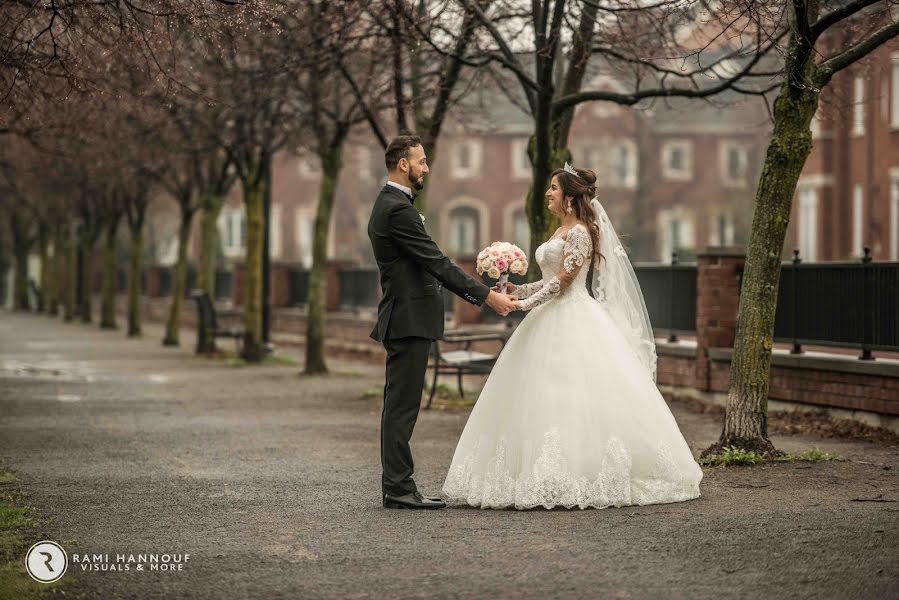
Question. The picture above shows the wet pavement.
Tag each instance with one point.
(269, 481)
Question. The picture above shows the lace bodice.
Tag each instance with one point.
(564, 263)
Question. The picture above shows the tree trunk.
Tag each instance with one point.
(70, 263)
(173, 324)
(57, 272)
(43, 241)
(110, 278)
(318, 278)
(211, 205)
(87, 263)
(135, 271)
(746, 414)
(253, 190)
(20, 284)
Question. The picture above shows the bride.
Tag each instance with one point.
(570, 414)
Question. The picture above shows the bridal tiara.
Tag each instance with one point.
(569, 169)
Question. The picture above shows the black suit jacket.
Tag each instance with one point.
(411, 264)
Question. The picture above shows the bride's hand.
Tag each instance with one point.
(504, 290)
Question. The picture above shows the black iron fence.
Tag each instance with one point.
(670, 295)
(358, 287)
(852, 305)
(299, 286)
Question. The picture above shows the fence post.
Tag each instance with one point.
(717, 301)
(797, 348)
(671, 335)
(866, 306)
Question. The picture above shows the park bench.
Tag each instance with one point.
(208, 317)
(464, 361)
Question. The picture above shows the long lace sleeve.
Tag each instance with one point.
(526, 289)
(576, 250)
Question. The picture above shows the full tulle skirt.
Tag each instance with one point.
(570, 417)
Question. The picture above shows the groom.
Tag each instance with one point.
(410, 314)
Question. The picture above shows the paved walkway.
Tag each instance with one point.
(269, 481)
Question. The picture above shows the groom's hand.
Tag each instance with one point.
(502, 304)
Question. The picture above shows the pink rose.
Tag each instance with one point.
(502, 265)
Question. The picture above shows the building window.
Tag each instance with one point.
(521, 163)
(808, 223)
(233, 231)
(676, 233)
(521, 231)
(623, 164)
(274, 231)
(466, 159)
(721, 232)
(894, 217)
(464, 225)
(858, 108)
(677, 160)
(305, 232)
(857, 219)
(734, 164)
(895, 91)
(593, 160)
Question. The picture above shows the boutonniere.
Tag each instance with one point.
(422, 217)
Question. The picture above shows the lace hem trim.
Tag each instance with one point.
(551, 483)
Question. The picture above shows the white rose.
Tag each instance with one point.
(485, 264)
(493, 273)
(517, 266)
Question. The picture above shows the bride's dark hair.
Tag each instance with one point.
(581, 189)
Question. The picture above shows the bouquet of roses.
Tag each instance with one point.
(501, 258)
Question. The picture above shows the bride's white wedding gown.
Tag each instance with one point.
(569, 416)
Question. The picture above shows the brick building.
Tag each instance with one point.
(675, 176)
(848, 193)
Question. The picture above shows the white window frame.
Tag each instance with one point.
(518, 158)
(510, 211)
(447, 209)
(858, 215)
(303, 215)
(630, 177)
(274, 231)
(231, 223)
(858, 106)
(894, 214)
(894, 91)
(715, 229)
(724, 163)
(686, 172)
(665, 220)
(474, 150)
(808, 223)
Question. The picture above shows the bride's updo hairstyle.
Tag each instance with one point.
(581, 189)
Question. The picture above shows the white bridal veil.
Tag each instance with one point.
(615, 284)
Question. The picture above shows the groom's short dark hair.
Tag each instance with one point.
(399, 148)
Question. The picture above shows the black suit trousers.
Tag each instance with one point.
(407, 361)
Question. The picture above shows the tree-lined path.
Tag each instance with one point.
(270, 482)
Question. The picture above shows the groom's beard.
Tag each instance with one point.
(417, 181)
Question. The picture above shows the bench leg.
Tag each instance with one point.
(459, 379)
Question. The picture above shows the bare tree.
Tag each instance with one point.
(825, 38)
(549, 48)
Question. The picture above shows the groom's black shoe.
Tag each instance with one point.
(412, 500)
